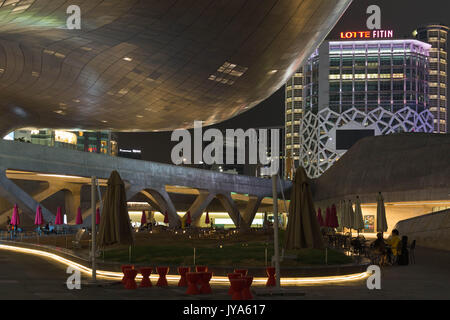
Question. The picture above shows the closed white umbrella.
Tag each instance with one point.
(340, 214)
(345, 220)
(381, 214)
(351, 215)
(358, 223)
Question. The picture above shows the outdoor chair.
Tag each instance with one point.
(78, 236)
(412, 256)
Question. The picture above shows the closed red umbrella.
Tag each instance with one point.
(39, 219)
(188, 218)
(59, 217)
(207, 218)
(79, 219)
(15, 220)
(319, 218)
(143, 219)
(166, 217)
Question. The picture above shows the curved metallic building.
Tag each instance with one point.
(141, 65)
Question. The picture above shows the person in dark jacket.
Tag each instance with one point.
(379, 248)
(403, 258)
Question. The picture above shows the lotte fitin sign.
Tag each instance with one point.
(374, 34)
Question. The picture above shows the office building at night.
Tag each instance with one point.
(351, 89)
(436, 36)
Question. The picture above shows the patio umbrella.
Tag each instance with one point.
(38, 219)
(207, 218)
(15, 220)
(344, 223)
(381, 214)
(59, 217)
(143, 219)
(351, 215)
(97, 216)
(339, 213)
(166, 217)
(79, 219)
(358, 223)
(334, 218)
(115, 226)
(319, 218)
(302, 228)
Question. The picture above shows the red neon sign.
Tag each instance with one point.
(374, 34)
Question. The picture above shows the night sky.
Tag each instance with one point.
(402, 16)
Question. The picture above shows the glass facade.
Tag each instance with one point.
(88, 141)
(365, 75)
(436, 35)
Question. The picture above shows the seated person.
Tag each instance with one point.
(51, 228)
(403, 258)
(379, 247)
(394, 241)
(45, 229)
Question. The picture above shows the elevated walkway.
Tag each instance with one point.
(69, 170)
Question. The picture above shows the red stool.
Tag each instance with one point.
(230, 277)
(243, 272)
(162, 281)
(130, 274)
(125, 266)
(146, 272)
(237, 285)
(201, 268)
(205, 286)
(246, 293)
(182, 271)
(192, 279)
(271, 274)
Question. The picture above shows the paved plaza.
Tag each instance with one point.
(29, 277)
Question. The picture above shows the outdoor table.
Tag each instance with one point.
(162, 281)
(146, 272)
(243, 272)
(230, 277)
(237, 285)
(130, 274)
(246, 293)
(271, 282)
(182, 271)
(205, 286)
(126, 266)
(192, 279)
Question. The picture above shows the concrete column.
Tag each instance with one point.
(231, 207)
(72, 197)
(199, 206)
(152, 201)
(14, 194)
(250, 210)
(162, 199)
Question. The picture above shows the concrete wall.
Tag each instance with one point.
(431, 230)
